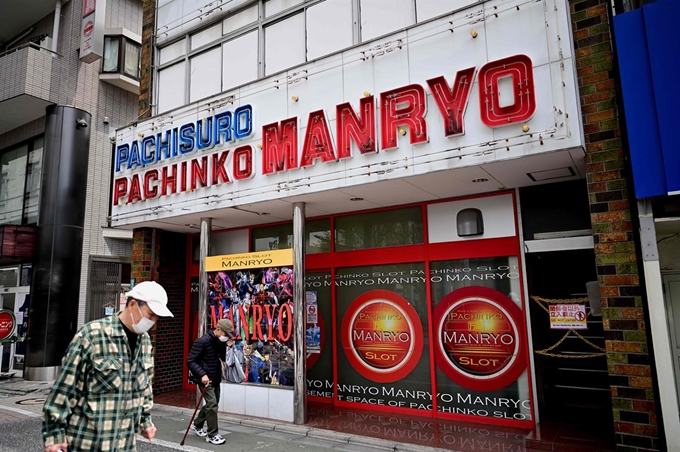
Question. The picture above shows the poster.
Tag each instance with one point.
(312, 330)
(320, 383)
(255, 291)
(568, 317)
(383, 355)
(480, 343)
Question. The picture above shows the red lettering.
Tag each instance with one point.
(168, 181)
(150, 189)
(279, 146)
(403, 106)
(289, 324)
(519, 69)
(135, 189)
(452, 102)
(350, 127)
(269, 310)
(243, 320)
(318, 142)
(199, 172)
(183, 177)
(218, 169)
(243, 162)
(120, 187)
(257, 322)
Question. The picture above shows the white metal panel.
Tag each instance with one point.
(241, 19)
(206, 36)
(427, 9)
(172, 51)
(497, 211)
(329, 27)
(205, 74)
(379, 17)
(422, 52)
(272, 7)
(171, 87)
(239, 60)
(284, 44)
(567, 243)
(281, 404)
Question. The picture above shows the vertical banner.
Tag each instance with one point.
(255, 291)
(383, 359)
(318, 336)
(92, 30)
(480, 339)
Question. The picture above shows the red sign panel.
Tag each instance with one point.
(8, 324)
(89, 6)
(382, 336)
(479, 341)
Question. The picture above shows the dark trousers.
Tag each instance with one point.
(209, 411)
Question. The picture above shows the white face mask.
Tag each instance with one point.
(144, 325)
(224, 338)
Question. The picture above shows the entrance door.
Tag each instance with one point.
(17, 299)
(672, 288)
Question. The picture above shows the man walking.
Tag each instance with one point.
(102, 397)
(206, 368)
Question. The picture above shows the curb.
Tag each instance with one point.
(311, 432)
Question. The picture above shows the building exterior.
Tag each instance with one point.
(54, 192)
(645, 41)
(468, 241)
(434, 152)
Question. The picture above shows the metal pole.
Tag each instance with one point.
(55, 28)
(206, 228)
(299, 398)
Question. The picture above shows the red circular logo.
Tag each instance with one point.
(479, 341)
(382, 336)
(8, 324)
(89, 26)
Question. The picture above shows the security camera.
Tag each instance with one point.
(112, 139)
(81, 123)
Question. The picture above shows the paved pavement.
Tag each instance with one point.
(20, 429)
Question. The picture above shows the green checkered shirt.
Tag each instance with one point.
(100, 400)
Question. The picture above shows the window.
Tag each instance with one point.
(379, 229)
(20, 172)
(280, 237)
(264, 37)
(121, 56)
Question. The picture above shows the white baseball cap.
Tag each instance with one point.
(153, 295)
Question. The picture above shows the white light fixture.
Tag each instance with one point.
(479, 180)
(356, 199)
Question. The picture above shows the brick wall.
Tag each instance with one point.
(146, 82)
(623, 309)
(161, 257)
(170, 332)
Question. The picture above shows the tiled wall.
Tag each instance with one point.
(623, 307)
(75, 83)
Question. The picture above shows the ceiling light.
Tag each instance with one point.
(479, 180)
(264, 214)
(356, 199)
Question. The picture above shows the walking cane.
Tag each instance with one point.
(194, 415)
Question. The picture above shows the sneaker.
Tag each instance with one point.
(202, 432)
(217, 439)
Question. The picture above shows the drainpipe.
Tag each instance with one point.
(55, 30)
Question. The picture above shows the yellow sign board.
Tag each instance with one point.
(273, 258)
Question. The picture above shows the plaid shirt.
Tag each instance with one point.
(100, 400)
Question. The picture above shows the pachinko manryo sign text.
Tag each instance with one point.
(161, 166)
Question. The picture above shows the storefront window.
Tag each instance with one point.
(12, 184)
(9, 276)
(379, 229)
(382, 326)
(318, 334)
(280, 237)
(33, 173)
(20, 172)
(480, 338)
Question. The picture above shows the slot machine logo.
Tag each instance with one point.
(382, 336)
(479, 343)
